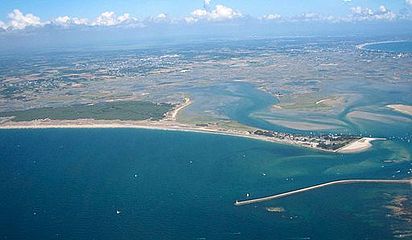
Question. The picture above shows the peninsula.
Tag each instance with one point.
(146, 115)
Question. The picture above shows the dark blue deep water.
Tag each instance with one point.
(143, 184)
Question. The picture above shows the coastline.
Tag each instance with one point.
(169, 125)
(363, 45)
(163, 125)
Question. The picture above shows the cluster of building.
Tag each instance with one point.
(330, 142)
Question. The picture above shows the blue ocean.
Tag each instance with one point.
(145, 184)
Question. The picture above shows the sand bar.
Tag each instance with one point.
(405, 109)
(172, 115)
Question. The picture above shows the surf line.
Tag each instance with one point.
(339, 182)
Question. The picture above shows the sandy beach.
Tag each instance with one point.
(164, 125)
(147, 124)
(360, 145)
(168, 125)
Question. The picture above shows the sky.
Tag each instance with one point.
(47, 9)
(25, 13)
(53, 21)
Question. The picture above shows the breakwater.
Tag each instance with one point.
(339, 182)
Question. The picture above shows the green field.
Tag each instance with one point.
(123, 110)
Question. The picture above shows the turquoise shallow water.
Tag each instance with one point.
(143, 184)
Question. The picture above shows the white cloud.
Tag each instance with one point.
(362, 14)
(2, 25)
(271, 17)
(111, 19)
(357, 14)
(362, 11)
(80, 21)
(104, 19)
(220, 13)
(313, 17)
(64, 20)
(160, 18)
(68, 21)
(19, 21)
(125, 18)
